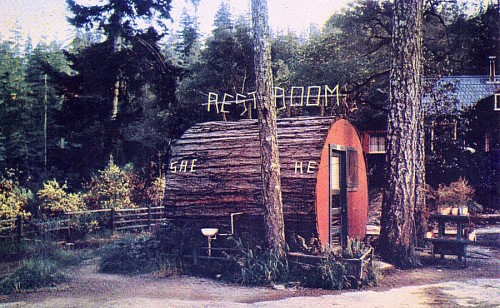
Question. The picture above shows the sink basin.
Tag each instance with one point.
(209, 231)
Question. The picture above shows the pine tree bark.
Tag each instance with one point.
(405, 153)
(270, 163)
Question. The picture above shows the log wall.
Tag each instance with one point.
(215, 170)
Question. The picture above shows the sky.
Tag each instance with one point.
(46, 19)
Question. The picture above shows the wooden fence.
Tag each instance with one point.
(133, 219)
(8, 226)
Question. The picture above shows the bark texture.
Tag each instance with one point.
(221, 171)
(270, 163)
(405, 154)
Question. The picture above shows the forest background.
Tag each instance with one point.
(90, 124)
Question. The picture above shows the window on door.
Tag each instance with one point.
(335, 173)
(352, 170)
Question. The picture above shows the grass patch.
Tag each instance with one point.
(140, 254)
(36, 272)
(330, 273)
(43, 267)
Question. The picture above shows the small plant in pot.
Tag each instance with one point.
(457, 198)
(430, 232)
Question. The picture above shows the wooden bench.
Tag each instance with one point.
(450, 244)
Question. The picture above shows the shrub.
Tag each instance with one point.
(12, 250)
(355, 248)
(43, 266)
(261, 267)
(332, 273)
(85, 223)
(162, 252)
(13, 199)
(111, 188)
(33, 273)
(156, 191)
(329, 273)
(136, 255)
(63, 258)
(146, 188)
(55, 200)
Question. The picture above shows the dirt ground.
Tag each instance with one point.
(440, 283)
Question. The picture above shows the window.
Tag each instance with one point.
(335, 172)
(377, 143)
(343, 168)
(497, 102)
(442, 132)
(352, 170)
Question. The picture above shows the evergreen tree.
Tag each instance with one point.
(46, 102)
(118, 95)
(25, 92)
(223, 21)
(225, 65)
(188, 46)
(17, 110)
(405, 156)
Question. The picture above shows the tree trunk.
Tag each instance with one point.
(270, 164)
(420, 205)
(405, 136)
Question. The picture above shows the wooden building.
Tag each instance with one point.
(215, 172)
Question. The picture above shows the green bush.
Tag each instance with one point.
(63, 258)
(43, 266)
(136, 255)
(85, 224)
(12, 250)
(355, 248)
(330, 273)
(33, 273)
(261, 267)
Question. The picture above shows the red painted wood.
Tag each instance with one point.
(342, 133)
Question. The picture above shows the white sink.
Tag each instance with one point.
(209, 231)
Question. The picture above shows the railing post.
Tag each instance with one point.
(69, 227)
(195, 256)
(149, 217)
(19, 227)
(113, 214)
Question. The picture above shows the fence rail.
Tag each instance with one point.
(7, 224)
(119, 219)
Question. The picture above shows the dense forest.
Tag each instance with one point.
(106, 108)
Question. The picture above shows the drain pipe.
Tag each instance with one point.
(232, 225)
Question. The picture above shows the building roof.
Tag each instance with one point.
(465, 90)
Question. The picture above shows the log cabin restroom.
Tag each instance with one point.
(214, 180)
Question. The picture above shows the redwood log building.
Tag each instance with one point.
(215, 172)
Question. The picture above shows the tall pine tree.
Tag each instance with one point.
(405, 155)
(117, 97)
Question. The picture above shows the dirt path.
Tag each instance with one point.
(89, 288)
(442, 284)
(93, 289)
(477, 292)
